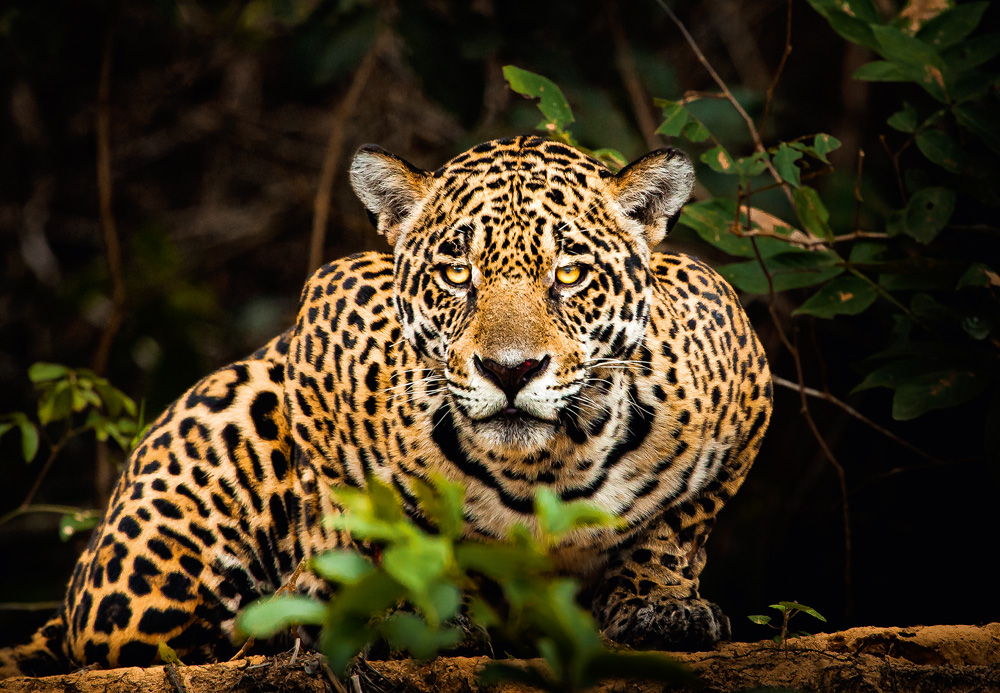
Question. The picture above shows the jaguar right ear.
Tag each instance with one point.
(389, 188)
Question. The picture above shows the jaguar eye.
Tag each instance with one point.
(456, 274)
(569, 274)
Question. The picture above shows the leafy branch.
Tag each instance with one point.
(411, 586)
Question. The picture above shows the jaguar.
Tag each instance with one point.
(522, 333)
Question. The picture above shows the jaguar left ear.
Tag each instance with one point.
(652, 190)
(389, 188)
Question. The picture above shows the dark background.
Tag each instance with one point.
(220, 115)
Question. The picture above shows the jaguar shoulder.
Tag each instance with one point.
(522, 333)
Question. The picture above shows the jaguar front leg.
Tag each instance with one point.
(649, 596)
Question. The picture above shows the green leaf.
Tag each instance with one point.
(867, 252)
(823, 144)
(941, 149)
(552, 103)
(749, 166)
(43, 372)
(761, 619)
(695, 131)
(972, 52)
(885, 71)
(784, 163)
(556, 518)
(675, 117)
(711, 220)
(443, 503)
(29, 440)
(502, 562)
(940, 390)
(444, 599)
(168, 655)
(268, 616)
(928, 213)
(419, 563)
(977, 326)
(783, 606)
(812, 212)
(343, 566)
(790, 270)
(979, 275)
(79, 521)
(849, 26)
(905, 120)
(56, 403)
(612, 158)
(896, 45)
(952, 25)
(982, 121)
(847, 295)
(409, 632)
(719, 160)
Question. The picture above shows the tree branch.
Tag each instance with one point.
(109, 230)
(334, 150)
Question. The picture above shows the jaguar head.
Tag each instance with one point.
(522, 274)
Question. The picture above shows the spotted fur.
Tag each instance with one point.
(638, 386)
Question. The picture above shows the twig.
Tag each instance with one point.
(175, 678)
(356, 684)
(630, 78)
(287, 586)
(694, 95)
(53, 453)
(894, 156)
(781, 67)
(338, 686)
(335, 148)
(853, 236)
(29, 606)
(38, 508)
(295, 651)
(99, 362)
(819, 394)
(857, 187)
(758, 142)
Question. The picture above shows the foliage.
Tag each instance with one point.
(414, 593)
(72, 402)
(943, 330)
(943, 343)
(788, 610)
(557, 112)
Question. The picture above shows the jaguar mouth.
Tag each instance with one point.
(512, 416)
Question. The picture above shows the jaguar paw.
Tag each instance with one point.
(688, 625)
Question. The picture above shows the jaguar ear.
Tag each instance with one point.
(389, 188)
(652, 190)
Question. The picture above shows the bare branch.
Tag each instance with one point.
(112, 247)
(758, 142)
(781, 65)
(630, 78)
(826, 396)
(335, 148)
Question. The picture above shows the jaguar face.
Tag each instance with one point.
(522, 274)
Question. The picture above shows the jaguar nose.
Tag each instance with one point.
(510, 379)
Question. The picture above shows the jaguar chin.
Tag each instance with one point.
(515, 428)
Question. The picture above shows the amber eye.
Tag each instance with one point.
(456, 274)
(569, 274)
